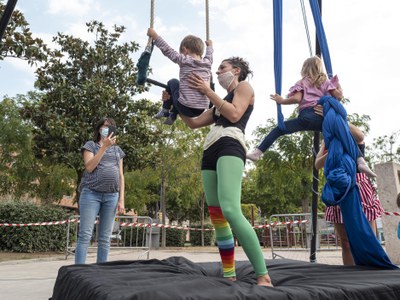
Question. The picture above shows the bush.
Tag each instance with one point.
(32, 238)
(134, 237)
(259, 233)
(175, 237)
(195, 236)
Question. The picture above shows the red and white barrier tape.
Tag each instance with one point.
(391, 213)
(163, 226)
(127, 224)
(33, 224)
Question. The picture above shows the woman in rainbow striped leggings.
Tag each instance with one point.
(223, 162)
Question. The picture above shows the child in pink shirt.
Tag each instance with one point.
(306, 93)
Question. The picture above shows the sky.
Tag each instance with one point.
(361, 34)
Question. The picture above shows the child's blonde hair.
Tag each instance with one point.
(193, 43)
(313, 69)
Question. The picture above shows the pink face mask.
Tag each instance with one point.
(226, 79)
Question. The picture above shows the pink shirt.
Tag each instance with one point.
(312, 94)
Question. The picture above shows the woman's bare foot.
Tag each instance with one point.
(264, 280)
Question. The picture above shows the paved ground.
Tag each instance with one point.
(34, 279)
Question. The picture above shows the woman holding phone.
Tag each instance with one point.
(101, 189)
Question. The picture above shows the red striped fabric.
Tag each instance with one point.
(369, 200)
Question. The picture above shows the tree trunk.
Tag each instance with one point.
(305, 203)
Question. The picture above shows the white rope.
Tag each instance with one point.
(150, 41)
(207, 21)
(152, 14)
(303, 10)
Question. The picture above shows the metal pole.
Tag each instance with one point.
(157, 83)
(202, 219)
(163, 206)
(314, 203)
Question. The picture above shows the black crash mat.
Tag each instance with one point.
(178, 278)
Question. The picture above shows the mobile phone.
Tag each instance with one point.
(112, 129)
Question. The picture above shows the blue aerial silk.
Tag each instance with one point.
(341, 187)
(323, 43)
(398, 230)
(277, 8)
(340, 166)
(340, 170)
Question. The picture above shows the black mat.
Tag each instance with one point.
(178, 278)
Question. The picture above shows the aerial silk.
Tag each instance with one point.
(143, 65)
(341, 187)
(6, 16)
(323, 43)
(340, 170)
(144, 59)
(277, 8)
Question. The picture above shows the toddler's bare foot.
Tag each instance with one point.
(233, 279)
(254, 155)
(364, 168)
(264, 280)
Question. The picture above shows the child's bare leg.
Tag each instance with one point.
(357, 134)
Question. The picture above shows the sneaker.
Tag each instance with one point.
(163, 113)
(363, 167)
(254, 155)
(170, 120)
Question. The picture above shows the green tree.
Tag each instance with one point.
(54, 181)
(385, 148)
(142, 191)
(179, 152)
(20, 172)
(177, 156)
(17, 163)
(80, 83)
(282, 179)
(18, 41)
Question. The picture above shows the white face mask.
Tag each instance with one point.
(104, 132)
(225, 79)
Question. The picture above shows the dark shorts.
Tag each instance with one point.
(225, 146)
(179, 108)
(188, 111)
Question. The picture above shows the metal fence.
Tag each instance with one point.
(129, 232)
(294, 232)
